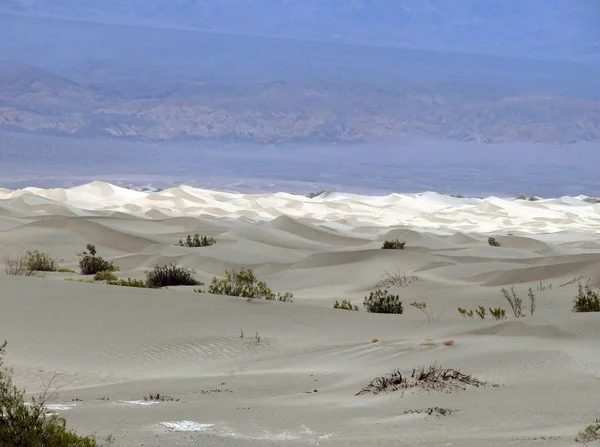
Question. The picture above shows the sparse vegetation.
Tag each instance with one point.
(170, 275)
(40, 262)
(197, 241)
(393, 245)
(464, 312)
(17, 267)
(381, 301)
(65, 270)
(436, 411)
(323, 192)
(480, 311)
(257, 338)
(515, 302)
(397, 278)
(157, 397)
(244, 283)
(129, 282)
(497, 313)
(586, 300)
(432, 378)
(345, 305)
(591, 200)
(542, 287)
(493, 242)
(422, 306)
(28, 424)
(521, 197)
(590, 433)
(105, 275)
(457, 196)
(89, 281)
(90, 264)
(533, 198)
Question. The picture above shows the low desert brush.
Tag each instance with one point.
(493, 242)
(422, 306)
(29, 424)
(244, 283)
(170, 275)
(345, 305)
(497, 313)
(128, 283)
(197, 241)
(381, 301)
(394, 245)
(40, 262)
(590, 433)
(17, 267)
(516, 302)
(586, 300)
(90, 264)
(105, 275)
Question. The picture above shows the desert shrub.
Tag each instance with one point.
(457, 196)
(88, 281)
(323, 192)
(105, 275)
(393, 245)
(65, 270)
(493, 242)
(17, 267)
(381, 301)
(590, 433)
(480, 311)
(128, 283)
(397, 278)
(586, 300)
(29, 424)
(464, 312)
(422, 306)
(521, 197)
(498, 313)
(591, 200)
(244, 283)
(533, 198)
(515, 302)
(40, 262)
(90, 264)
(345, 305)
(197, 241)
(170, 275)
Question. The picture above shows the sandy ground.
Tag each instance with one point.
(107, 347)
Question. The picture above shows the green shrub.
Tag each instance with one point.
(90, 264)
(589, 434)
(128, 283)
(170, 275)
(394, 245)
(493, 242)
(345, 305)
(65, 270)
(521, 197)
(381, 301)
(480, 311)
(40, 262)
(498, 313)
(464, 312)
(88, 281)
(105, 275)
(197, 241)
(323, 192)
(244, 283)
(23, 425)
(586, 300)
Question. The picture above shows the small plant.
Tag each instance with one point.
(128, 283)
(105, 275)
(531, 296)
(159, 398)
(498, 313)
(170, 275)
(521, 197)
(591, 200)
(40, 262)
(65, 270)
(244, 283)
(345, 305)
(465, 313)
(17, 267)
(241, 333)
(586, 300)
(516, 303)
(493, 242)
(90, 264)
(541, 286)
(381, 301)
(533, 198)
(393, 245)
(397, 278)
(422, 306)
(89, 281)
(323, 192)
(590, 433)
(197, 241)
(480, 311)
(257, 338)
(457, 196)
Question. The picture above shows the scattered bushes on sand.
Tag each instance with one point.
(381, 301)
(17, 267)
(493, 242)
(497, 313)
(345, 305)
(29, 424)
(393, 245)
(105, 275)
(90, 264)
(396, 278)
(40, 262)
(244, 283)
(586, 300)
(323, 192)
(590, 433)
(516, 302)
(432, 378)
(197, 241)
(170, 275)
(129, 282)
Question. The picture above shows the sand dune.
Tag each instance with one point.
(111, 346)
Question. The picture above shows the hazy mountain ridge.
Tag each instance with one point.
(32, 100)
(545, 28)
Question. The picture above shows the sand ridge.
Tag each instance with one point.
(112, 346)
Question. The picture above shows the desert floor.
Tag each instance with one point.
(106, 347)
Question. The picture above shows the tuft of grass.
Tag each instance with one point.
(397, 278)
(521, 197)
(128, 283)
(29, 424)
(244, 283)
(586, 300)
(393, 245)
(90, 264)
(197, 241)
(493, 242)
(480, 311)
(170, 275)
(464, 312)
(40, 262)
(589, 433)
(105, 275)
(345, 305)
(65, 270)
(88, 281)
(157, 397)
(380, 301)
(498, 313)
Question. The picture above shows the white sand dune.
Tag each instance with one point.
(112, 346)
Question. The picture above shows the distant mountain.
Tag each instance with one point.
(564, 29)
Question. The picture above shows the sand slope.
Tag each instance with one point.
(111, 346)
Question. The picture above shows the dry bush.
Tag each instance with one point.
(18, 267)
(105, 276)
(586, 300)
(157, 397)
(432, 378)
(345, 305)
(437, 411)
(197, 241)
(40, 262)
(397, 278)
(515, 302)
(590, 433)
(422, 306)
